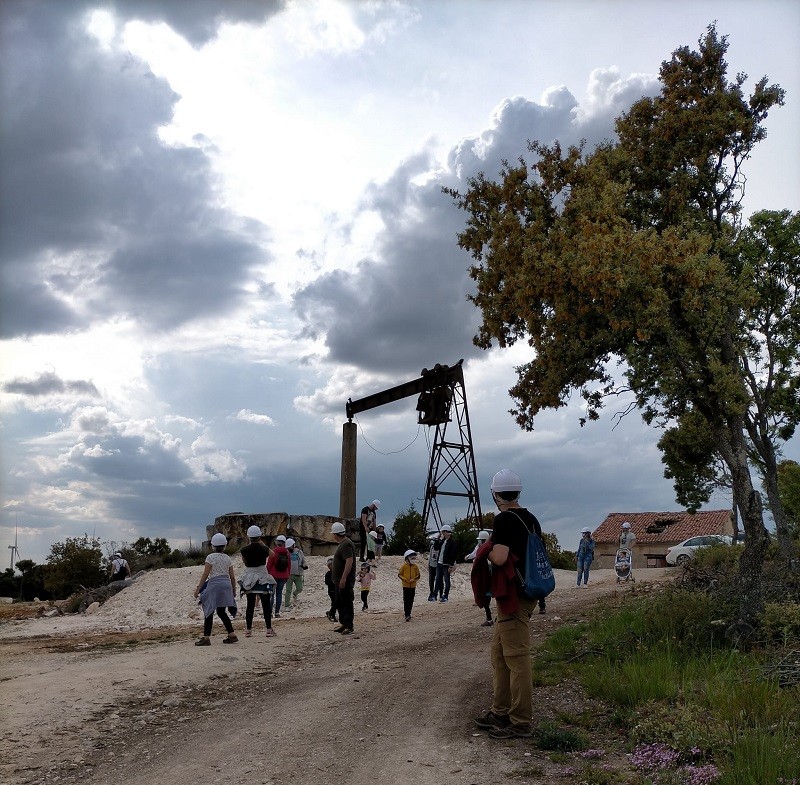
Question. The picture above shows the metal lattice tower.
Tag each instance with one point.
(452, 471)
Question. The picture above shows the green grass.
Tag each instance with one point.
(660, 667)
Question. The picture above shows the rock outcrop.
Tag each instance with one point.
(311, 532)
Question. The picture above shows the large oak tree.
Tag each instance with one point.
(626, 267)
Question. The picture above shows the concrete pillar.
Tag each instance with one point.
(347, 489)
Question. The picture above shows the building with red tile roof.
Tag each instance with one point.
(655, 533)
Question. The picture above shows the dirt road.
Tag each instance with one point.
(394, 701)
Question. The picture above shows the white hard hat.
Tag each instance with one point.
(483, 534)
(254, 531)
(506, 480)
(586, 530)
(280, 538)
(409, 552)
(380, 526)
(338, 528)
(376, 503)
(447, 527)
(289, 543)
(626, 525)
(118, 555)
(219, 539)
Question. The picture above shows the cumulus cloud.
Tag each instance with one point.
(245, 415)
(100, 219)
(405, 306)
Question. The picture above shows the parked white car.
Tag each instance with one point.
(684, 551)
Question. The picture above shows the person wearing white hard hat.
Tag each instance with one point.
(367, 522)
(445, 564)
(409, 575)
(511, 714)
(296, 572)
(585, 555)
(626, 537)
(119, 569)
(217, 590)
(483, 536)
(344, 577)
(433, 558)
(279, 566)
(255, 581)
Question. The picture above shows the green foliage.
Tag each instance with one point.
(549, 736)
(9, 583)
(666, 670)
(144, 546)
(74, 563)
(559, 560)
(780, 624)
(634, 679)
(681, 726)
(789, 492)
(31, 582)
(408, 531)
(763, 754)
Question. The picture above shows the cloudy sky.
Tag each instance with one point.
(215, 228)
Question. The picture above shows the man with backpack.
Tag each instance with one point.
(119, 569)
(511, 714)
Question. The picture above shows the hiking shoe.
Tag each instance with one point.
(512, 731)
(444, 599)
(248, 633)
(488, 623)
(340, 628)
(230, 639)
(408, 618)
(276, 615)
(431, 598)
(491, 720)
(271, 633)
(203, 642)
(347, 631)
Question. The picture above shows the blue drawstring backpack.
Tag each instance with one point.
(539, 580)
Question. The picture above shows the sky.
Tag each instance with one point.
(219, 221)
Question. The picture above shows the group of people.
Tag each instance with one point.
(274, 576)
(502, 552)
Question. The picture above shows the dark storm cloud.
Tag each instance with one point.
(407, 307)
(49, 384)
(99, 218)
(196, 20)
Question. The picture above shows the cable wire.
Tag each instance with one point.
(375, 449)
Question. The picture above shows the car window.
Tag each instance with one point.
(695, 541)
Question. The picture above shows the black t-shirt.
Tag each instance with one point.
(345, 551)
(255, 554)
(511, 528)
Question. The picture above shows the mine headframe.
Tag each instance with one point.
(441, 403)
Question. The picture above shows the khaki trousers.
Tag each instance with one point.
(512, 679)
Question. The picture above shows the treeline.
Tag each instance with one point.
(83, 563)
(408, 531)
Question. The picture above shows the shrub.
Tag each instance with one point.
(74, 563)
(549, 736)
(781, 623)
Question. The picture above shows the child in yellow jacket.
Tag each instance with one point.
(409, 575)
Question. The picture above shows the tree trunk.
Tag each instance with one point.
(731, 444)
(785, 542)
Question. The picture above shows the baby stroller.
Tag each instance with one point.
(623, 565)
